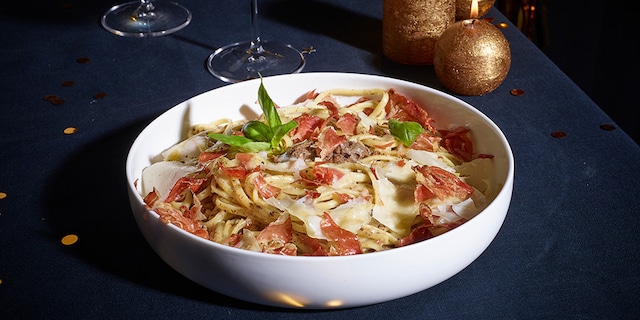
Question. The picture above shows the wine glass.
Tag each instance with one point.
(251, 59)
(146, 18)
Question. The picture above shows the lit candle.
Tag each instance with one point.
(472, 56)
(463, 8)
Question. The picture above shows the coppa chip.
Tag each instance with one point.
(321, 177)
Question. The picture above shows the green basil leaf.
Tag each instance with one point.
(259, 136)
(280, 131)
(235, 141)
(257, 131)
(268, 107)
(407, 132)
(252, 147)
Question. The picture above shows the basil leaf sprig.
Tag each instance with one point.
(258, 135)
(405, 131)
(240, 143)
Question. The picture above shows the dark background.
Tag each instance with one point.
(592, 42)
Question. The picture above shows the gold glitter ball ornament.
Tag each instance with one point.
(472, 57)
(463, 8)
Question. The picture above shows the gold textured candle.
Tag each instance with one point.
(410, 28)
(472, 57)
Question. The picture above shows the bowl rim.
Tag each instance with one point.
(505, 186)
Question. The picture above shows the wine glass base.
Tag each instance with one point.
(238, 62)
(165, 18)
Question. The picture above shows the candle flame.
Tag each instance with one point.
(474, 9)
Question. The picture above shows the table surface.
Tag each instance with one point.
(567, 249)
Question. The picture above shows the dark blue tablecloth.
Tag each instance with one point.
(567, 250)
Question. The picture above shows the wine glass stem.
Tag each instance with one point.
(256, 46)
(145, 10)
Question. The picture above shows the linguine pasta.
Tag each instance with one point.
(356, 171)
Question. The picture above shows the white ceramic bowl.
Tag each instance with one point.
(318, 282)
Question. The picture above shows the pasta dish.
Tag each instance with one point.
(346, 171)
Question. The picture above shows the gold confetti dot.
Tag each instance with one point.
(517, 92)
(70, 130)
(502, 25)
(0, 281)
(69, 239)
(57, 101)
(100, 95)
(309, 50)
(50, 97)
(68, 83)
(558, 134)
(83, 60)
(3, 195)
(607, 127)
